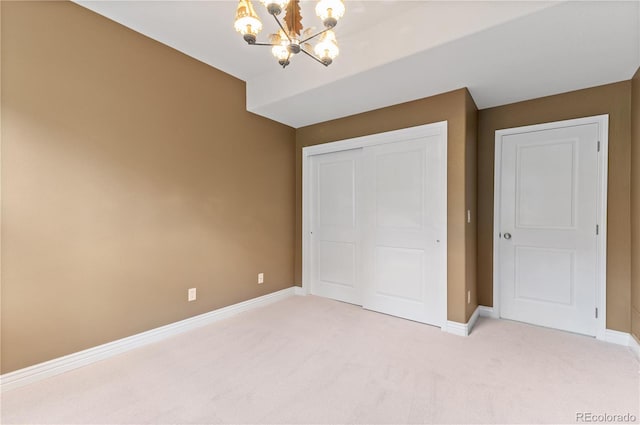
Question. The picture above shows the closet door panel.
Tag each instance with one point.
(402, 197)
(335, 236)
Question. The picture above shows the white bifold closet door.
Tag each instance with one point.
(379, 227)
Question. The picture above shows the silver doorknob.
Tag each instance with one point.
(507, 236)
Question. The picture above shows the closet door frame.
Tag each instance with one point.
(438, 128)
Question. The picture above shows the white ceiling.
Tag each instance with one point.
(395, 51)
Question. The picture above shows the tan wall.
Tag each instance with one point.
(125, 181)
(635, 205)
(612, 99)
(453, 107)
(130, 172)
(471, 201)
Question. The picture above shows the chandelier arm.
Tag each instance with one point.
(282, 27)
(285, 63)
(264, 44)
(315, 35)
(313, 56)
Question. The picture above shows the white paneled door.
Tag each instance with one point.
(336, 237)
(378, 225)
(404, 228)
(549, 227)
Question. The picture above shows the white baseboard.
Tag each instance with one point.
(622, 338)
(488, 312)
(473, 319)
(455, 328)
(69, 362)
(616, 337)
(462, 329)
(300, 291)
(609, 335)
(635, 346)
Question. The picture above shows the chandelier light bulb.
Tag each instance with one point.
(327, 49)
(330, 11)
(275, 7)
(279, 49)
(282, 54)
(247, 21)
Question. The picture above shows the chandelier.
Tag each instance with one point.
(291, 37)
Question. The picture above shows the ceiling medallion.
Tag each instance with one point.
(292, 38)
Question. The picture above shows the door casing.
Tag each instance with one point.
(439, 128)
(601, 278)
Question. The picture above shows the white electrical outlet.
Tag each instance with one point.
(468, 216)
(191, 294)
(260, 278)
(468, 297)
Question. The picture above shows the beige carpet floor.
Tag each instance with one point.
(314, 360)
